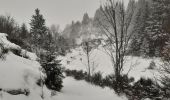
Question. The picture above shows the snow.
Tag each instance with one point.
(80, 90)
(19, 73)
(138, 66)
(15, 70)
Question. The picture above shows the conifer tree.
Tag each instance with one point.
(139, 20)
(156, 36)
(38, 29)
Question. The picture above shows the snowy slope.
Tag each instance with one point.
(81, 90)
(18, 73)
(17, 70)
(138, 66)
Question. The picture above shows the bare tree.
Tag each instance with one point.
(116, 26)
(87, 50)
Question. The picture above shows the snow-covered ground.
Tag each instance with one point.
(19, 73)
(81, 90)
(101, 61)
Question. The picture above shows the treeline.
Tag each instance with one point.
(37, 37)
(151, 28)
(76, 32)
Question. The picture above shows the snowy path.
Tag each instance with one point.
(81, 90)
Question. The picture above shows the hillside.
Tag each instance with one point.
(19, 76)
(136, 67)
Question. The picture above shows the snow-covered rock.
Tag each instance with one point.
(7, 44)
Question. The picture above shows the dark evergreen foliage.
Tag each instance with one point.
(53, 71)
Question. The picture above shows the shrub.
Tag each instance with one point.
(145, 88)
(109, 81)
(97, 79)
(124, 84)
(78, 75)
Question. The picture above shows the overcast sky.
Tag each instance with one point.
(60, 12)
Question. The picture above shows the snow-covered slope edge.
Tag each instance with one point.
(18, 75)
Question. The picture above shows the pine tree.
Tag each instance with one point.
(38, 29)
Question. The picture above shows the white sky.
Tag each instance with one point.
(60, 12)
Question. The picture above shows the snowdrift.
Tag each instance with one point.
(18, 75)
